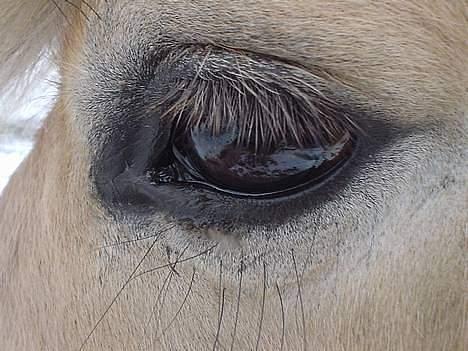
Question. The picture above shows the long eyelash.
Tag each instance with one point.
(264, 108)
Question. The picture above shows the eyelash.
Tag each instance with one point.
(265, 108)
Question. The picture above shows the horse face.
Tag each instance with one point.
(244, 174)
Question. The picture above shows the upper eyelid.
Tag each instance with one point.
(264, 98)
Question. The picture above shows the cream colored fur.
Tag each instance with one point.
(388, 274)
(30, 31)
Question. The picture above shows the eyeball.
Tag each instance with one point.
(221, 162)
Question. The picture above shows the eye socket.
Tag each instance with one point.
(221, 163)
(249, 126)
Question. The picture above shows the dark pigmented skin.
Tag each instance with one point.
(139, 136)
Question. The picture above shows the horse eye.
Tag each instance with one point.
(222, 163)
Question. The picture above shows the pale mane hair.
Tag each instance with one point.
(30, 31)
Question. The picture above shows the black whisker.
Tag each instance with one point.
(218, 330)
(309, 256)
(283, 330)
(301, 301)
(181, 261)
(263, 305)
(129, 279)
(220, 286)
(161, 292)
(131, 241)
(174, 264)
(157, 306)
(239, 291)
(172, 272)
(189, 290)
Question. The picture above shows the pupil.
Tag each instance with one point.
(221, 161)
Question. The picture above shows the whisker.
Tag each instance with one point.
(131, 241)
(220, 320)
(301, 301)
(308, 257)
(220, 287)
(165, 290)
(174, 264)
(304, 267)
(158, 301)
(155, 310)
(239, 291)
(189, 290)
(129, 279)
(181, 261)
(283, 329)
(263, 305)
